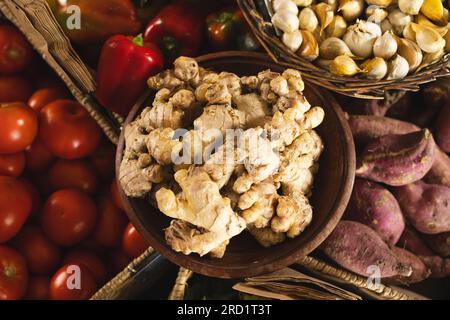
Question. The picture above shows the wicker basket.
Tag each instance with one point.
(323, 270)
(257, 17)
(35, 19)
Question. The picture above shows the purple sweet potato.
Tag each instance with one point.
(411, 241)
(375, 206)
(420, 271)
(396, 159)
(426, 206)
(357, 247)
(366, 128)
(440, 172)
(442, 128)
(439, 243)
(440, 268)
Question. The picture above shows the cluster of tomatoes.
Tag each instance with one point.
(59, 202)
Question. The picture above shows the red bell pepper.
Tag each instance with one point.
(100, 19)
(178, 29)
(124, 67)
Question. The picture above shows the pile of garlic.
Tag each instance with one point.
(372, 39)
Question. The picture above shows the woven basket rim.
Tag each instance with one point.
(350, 86)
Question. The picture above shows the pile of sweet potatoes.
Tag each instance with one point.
(398, 217)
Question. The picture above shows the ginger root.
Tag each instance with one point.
(258, 203)
(201, 204)
(294, 214)
(266, 236)
(246, 159)
(259, 158)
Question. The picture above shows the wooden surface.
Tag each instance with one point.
(332, 188)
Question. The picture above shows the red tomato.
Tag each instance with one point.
(73, 174)
(133, 244)
(42, 97)
(42, 255)
(72, 283)
(91, 261)
(118, 261)
(38, 158)
(111, 223)
(36, 201)
(12, 164)
(104, 160)
(69, 216)
(116, 195)
(68, 131)
(18, 127)
(13, 274)
(15, 207)
(15, 51)
(38, 288)
(15, 89)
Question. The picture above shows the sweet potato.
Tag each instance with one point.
(397, 159)
(440, 171)
(439, 243)
(440, 268)
(411, 241)
(426, 206)
(375, 206)
(420, 271)
(366, 128)
(442, 128)
(357, 247)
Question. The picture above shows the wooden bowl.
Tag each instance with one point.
(332, 187)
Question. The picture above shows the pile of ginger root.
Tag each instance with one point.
(179, 155)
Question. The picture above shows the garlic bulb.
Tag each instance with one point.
(447, 41)
(292, 40)
(325, 14)
(333, 4)
(428, 39)
(380, 3)
(430, 58)
(398, 68)
(423, 21)
(411, 52)
(398, 20)
(303, 3)
(332, 47)
(320, 36)
(309, 48)
(351, 9)
(344, 66)
(285, 21)
(409, 33)
(386, 26)
(308, 20)
(433, 10)
(410, 6)
(360, 38)
(324, 63)
(376, 14)
(336, 28)
(287, 5)
(375, 68)
(385, 46)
